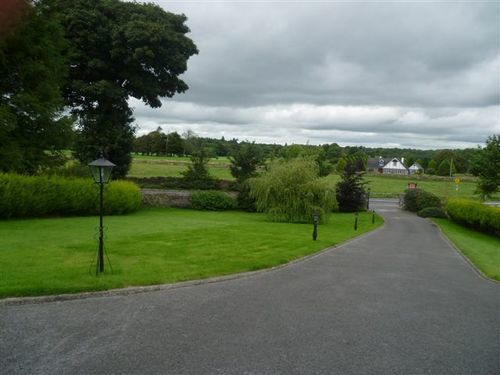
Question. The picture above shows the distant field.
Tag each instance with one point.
(154, 166)
(381, 186)
(390, 187)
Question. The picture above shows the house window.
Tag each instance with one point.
(394, 163)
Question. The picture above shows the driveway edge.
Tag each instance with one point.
(476, 269)
(182, 284)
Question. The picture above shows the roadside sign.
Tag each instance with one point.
(457, 180)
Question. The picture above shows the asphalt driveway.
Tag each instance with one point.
(399, 300)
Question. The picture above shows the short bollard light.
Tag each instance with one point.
(373, 216)
(315, 223)
(356, 215)
(101, 171)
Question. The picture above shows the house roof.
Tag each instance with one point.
(399, 165)
(374, 163)
(415, 166)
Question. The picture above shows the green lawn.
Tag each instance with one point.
(391, 187)
(153, 246)
(482, 249)
(154, 166)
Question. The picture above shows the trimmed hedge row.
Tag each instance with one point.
(432, 212)
(212, 200)
(33, 196)
(475, 215)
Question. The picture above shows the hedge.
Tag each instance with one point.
(432, 212)
(34, 196)
(416, 200)
(474, 215)
(212, 200)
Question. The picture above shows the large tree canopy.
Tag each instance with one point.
(486, 166)
(32, 69)
(117, 50)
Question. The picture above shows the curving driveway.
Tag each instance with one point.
(399, 300)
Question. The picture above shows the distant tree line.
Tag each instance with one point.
(329, 157)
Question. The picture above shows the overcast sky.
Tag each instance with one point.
(390, 74)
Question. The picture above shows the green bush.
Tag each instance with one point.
(432, 212)
(212, 200)
(474, 215)
(292, 191)
(34, 196)
(426, 199)
(416, 200)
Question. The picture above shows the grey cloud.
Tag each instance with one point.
(409, 74)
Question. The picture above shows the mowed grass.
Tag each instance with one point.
(391, 187)
(481, 249)
(154, 246)
(155, 166)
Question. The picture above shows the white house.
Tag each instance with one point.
(395, 166)
(415, 167)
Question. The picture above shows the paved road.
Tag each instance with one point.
(397, 301)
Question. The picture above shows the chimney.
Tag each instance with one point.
(402, 160)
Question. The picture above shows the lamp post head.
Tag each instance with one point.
(101, 170)
(316, 217)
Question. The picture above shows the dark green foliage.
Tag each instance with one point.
(426, 199)
(107, 131)
(159, 143)
(244, 200)
(444, 168)
(292, 191)
(410, 200)
(119, 50)
(474, 215)
(245, 159)
(212, 200)
(350, 191)
(34, 196)
(432, 212)
(197, 174)
(32, 68)
(486, 166)
(415, 200)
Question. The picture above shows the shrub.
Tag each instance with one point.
(426, 199)
(432, 212)
(212, 200)
(474, 215)
(292, 191)
(32, 196)
(415, 200)
(350, 192)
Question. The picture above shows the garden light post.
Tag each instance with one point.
(356, 220)
(101, 172)
(315, 223)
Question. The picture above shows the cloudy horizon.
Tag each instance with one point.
(378, 74)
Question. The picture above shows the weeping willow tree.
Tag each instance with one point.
(292, 191)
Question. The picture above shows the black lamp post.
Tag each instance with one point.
(315, 223)
(356, 215)
(101, 171)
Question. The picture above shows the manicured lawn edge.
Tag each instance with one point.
(176, 285)
(465, 251)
